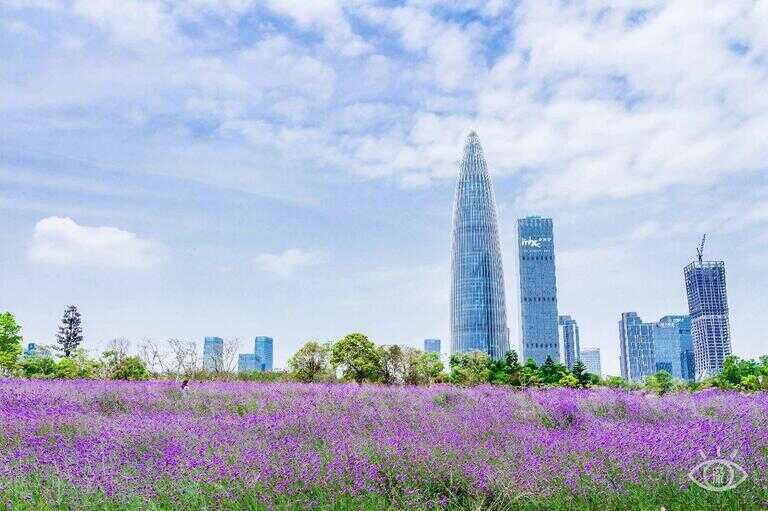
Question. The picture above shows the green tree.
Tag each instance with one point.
(616, 382)
(498, 372)
(36, 367)
(87, 368)
(661, 382)
(121, 366)
(513, 368)
(506, 371)
(530, 376)
(470, 368)
(581, 374)
(130, 368)
(392, 364)
(570, 381)
(357, 357)
(66, 368)
(77, 365)
(70, 333)
(750, 383)
(748, 375)
(10, 341)
(311, 362)
(422, 368)
(551, 372)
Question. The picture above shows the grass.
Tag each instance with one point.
(53, 495)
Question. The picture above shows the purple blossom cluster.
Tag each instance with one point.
(430, 443)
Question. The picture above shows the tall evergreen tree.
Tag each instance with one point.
(70, 331)
(513, 368)
(581, 374)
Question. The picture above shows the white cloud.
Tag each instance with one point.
(593, 99)
(61, 241)
(286, 263)
(129, 21)
(327, 16)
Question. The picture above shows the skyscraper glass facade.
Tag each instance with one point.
(673, 346)
(708, 307)
(636, 347)
(478, 307)
(569, 340)
(263, 349)
(432, 345)
(247, 363)
(591, 359)
(539, 337)
(213, 354)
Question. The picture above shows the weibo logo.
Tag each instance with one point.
(718, 474)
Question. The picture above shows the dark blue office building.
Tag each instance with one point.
(539, 337)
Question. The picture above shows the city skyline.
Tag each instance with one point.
(240, 167)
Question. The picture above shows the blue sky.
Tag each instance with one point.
(286, 168)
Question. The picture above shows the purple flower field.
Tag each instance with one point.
(110, 445)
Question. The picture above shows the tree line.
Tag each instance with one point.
(354, 358)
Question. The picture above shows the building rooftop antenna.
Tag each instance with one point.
(700, 249)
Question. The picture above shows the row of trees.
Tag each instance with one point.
(72, 362)
(68, 337)
(356, 358)
(353, 358)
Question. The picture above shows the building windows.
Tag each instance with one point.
(478, 307)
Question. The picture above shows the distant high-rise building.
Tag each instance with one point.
(432, 345)
(673, 346)
(478, 307)
(708, 307)
(263, 347)
(539, 337)
(591, 359)
(636, 347)
(213, 354)
(247, 363)
(569, 340)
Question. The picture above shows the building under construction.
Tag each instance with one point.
(708, 307)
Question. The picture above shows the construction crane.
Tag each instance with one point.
(700, 249)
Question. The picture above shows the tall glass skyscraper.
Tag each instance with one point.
(247, 363)
(636, 347)
(213, 354)
(673, 346)
(539, 336)
(568, 330)
(591, 359)
(263, 349)
(708, 307)
(432, 346)
(478, 306)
